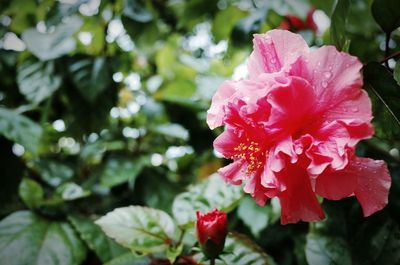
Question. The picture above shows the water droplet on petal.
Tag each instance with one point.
(376, 161)
(319, 63)
(327, 75)
(324, 84)
(268, 39)
(273, 60)
(354, 109)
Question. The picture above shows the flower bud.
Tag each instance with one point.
(211, 229)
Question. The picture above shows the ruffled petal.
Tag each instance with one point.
(234, 172)
(298, 201)
(226, 143)
(215, 114)
(275, 50)
(336, 185)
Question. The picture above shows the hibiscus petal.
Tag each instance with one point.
(367, 179)
(298, 201)
(234, 172)
(255, 189)
(274, 50)
(373, 184)
(336, 185)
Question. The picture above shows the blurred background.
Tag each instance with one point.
(103, 105)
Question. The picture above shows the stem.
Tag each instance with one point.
(212, 261)
(394, 55)
(387, 40)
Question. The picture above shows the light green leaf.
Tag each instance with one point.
(139, 228)
(387, 14)
(137, 11)
(205, 196)
(20, 129)
(338, 25)
(105, 248)
(255, 217)
(71, 191)
(37, 80)
(224, 22)
(118, 170)
(240, 250)
(26, 238)
(31, 192)
(48, 46)
(173, 130)
(91, 76)
(130, 259)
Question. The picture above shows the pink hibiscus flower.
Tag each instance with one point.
(292, 128)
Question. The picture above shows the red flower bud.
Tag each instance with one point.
(295, 24)
(211, 230)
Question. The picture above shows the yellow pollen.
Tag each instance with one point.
(251, 153)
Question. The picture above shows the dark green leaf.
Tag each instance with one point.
(338, 25)
(387, 14)
(47, 46)
(380, 83)
(205, 196)
(118, 170)
(31, 192)
(321, 249)
(26, 238)
(105, 248)
(20, 129)
(396, 73)
(52, 172)
(139, 228)
(37, 80)
(91, 76)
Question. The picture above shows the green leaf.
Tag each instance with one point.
(139, 228)
(137, 11)
(118, 170)
(255, 217)
(321, 249)
(37, 80)
(172, 130)
(211, 193)
(90, 76)
(380, 83)
(20, 129)
(71, 191)
(396, 73)
(105, 248)
(26, 238)
(387, 14)
(338, 25)
(240, 250)
(51, 171)
(31, 193)
(48, 46)
(224, 22)
(130, 259)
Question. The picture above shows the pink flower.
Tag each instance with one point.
(291, 130)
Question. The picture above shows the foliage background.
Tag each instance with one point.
(103, 104)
